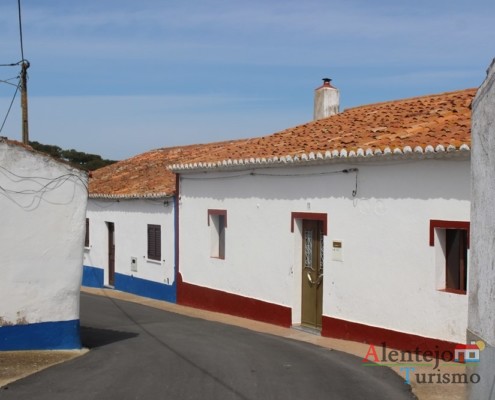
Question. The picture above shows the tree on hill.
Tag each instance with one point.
(79, 159)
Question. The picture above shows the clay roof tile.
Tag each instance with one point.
(414, 123)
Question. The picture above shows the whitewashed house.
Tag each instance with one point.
(355, 224)
(42, 210)
(481, 323)
(131, 226)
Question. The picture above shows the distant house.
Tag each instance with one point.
(42, 210)
(131, 227)
(355, 224)
(130, 219)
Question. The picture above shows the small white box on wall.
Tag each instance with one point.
(134, 264)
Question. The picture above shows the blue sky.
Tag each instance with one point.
(119, 77)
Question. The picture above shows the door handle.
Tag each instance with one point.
(318, 281)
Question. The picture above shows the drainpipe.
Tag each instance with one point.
(178, 277)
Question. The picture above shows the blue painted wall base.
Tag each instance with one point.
(145, 288)
(60, 335)
(92, 277)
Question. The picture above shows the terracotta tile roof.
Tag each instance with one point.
(430, 124)
(146, 175)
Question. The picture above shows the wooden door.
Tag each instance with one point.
(312, 274)
(111, 253)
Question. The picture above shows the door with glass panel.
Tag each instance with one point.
(312, 274)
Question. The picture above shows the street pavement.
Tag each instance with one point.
(138, 352)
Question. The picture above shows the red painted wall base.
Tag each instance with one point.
(246, 307)
(233, 304)
(341, 329)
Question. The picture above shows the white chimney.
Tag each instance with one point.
(326, 100)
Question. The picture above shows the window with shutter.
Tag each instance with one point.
(154, 242)
(86, 239)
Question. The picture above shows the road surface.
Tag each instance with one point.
(139, 352)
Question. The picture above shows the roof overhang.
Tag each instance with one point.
(130, 196)
(329, 157)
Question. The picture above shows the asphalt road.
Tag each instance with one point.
(144, 353)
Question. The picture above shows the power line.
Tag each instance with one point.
(10, 107)
(20, 30)
(11, 64)
(10, 79)
(22, 84)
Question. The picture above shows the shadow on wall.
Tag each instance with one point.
(96, 337)
(416, 179)
(125, 206)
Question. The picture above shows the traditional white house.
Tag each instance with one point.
(356, 224)
(42, 210)
(131, 227)
(481, 323)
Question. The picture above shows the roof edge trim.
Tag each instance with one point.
(130, 196)
(359, 155)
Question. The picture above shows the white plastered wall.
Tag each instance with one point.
(42, 209)
(388, 275)
(131, 218)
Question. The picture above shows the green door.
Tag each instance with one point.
(312, 274)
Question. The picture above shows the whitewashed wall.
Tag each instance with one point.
(482, 280)
(42, 210)
(131, 218)
(388, 277)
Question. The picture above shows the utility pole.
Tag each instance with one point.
(24, 102)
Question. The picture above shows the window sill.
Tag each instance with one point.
(217, 258)
(87, 248)
(151, 261)
(453, 291)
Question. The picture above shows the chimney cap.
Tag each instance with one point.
(326, 82)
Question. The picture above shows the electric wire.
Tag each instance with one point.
(253, 173)
(37, 195)
(6, 81)
(10, 107)
(20, 29)
(34, 178)
(23, 61)
(11, 64)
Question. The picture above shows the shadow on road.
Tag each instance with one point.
(97, 337)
